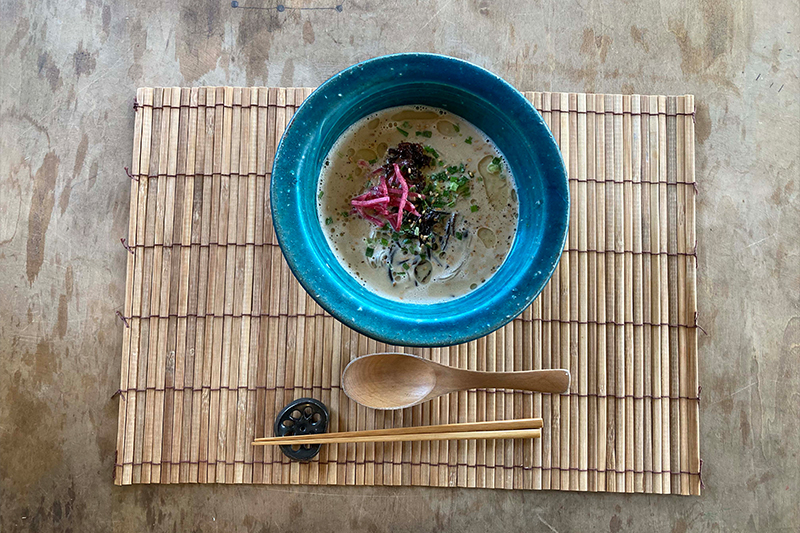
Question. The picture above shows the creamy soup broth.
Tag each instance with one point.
(468, 195)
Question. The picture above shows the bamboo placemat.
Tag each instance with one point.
(218, 335)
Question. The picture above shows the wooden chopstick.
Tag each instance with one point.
(455, 435)
(487, 430)
(494, 425)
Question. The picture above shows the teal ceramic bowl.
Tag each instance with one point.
(476, 95)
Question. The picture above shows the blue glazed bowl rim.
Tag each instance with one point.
(440, 324)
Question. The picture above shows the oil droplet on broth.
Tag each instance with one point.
(413, 114)
(487, 237)
(365, 154)
(497, 186)
(446, 128)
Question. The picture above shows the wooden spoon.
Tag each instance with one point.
(397, 380)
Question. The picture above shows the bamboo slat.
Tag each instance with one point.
(655, 294)
(580, 432)
(218, 335)
(567, 151)
(601, 292)
(646, 301)
(591, 358)
(546, 339)
(556, 329)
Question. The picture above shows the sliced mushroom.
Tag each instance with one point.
(422, 272)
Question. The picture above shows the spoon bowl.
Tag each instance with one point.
(397, 380)
(391, 381)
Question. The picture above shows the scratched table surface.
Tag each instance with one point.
(68, 73)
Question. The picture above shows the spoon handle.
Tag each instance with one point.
(553, 381)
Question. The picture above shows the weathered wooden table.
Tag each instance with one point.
(66, 135)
